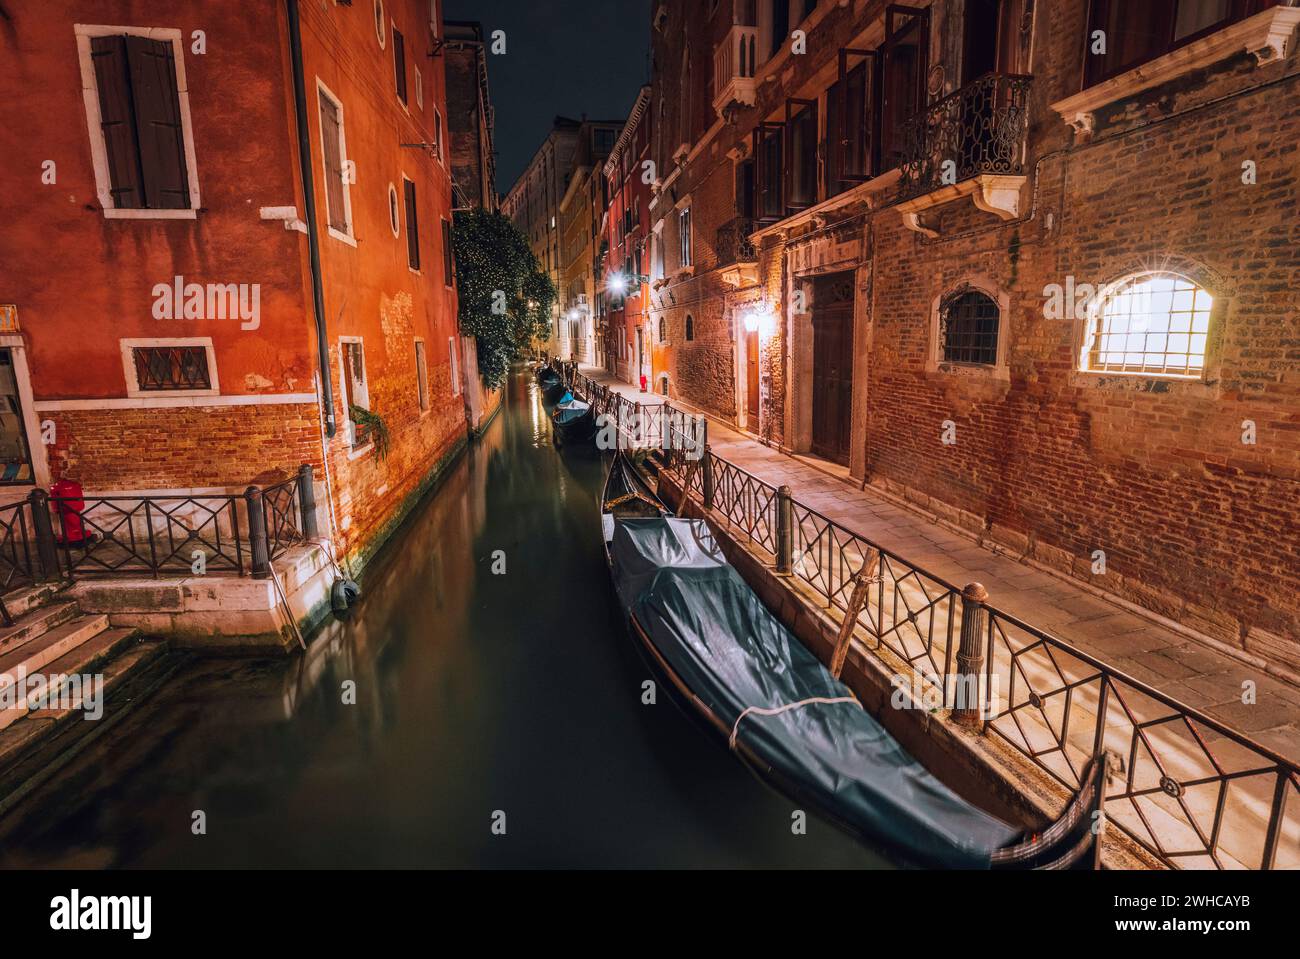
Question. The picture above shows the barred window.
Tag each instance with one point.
(969, 328)
(1151, 323)
(161, 368)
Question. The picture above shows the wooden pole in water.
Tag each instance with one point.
(857, 600)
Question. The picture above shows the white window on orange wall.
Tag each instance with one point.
(455, 366)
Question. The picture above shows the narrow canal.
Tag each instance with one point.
(475, 693)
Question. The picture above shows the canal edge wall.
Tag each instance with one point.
(979, 768)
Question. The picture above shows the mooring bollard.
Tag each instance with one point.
(784, 530)
(257, 539)
(307, 502)
(46, 548)
(966, 708)
(706, 461)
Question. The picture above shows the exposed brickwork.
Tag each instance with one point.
(1052, 462)
(108, 450)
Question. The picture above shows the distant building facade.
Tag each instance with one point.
(1030, 282)
(533, 203)
(630, 341)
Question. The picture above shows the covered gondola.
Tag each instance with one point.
(551, 384)
(729, 661)
(574, 421)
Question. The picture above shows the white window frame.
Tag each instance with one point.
(455, 366)
(685, 237)
(1092, 320)
(99, 150)
(438, 143)
(355, 450)
(380, 24)
(422, 375)
(419, 86)
(350, 237)
(935, 363)
(127, 346)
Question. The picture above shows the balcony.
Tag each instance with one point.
(734, 65)
(737, 256)
(970, 143)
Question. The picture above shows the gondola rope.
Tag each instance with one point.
(777, 710)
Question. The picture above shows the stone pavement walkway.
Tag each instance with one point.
(1194, 674)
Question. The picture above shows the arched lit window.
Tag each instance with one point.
(969, 328)
(690, 327)
(1149, 323)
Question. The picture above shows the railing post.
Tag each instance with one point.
(257, 540)
(970, 656)
(307, 502)
(707, 462)
(784, 530)
(45, 545)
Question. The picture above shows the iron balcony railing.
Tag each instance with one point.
(46, 538)
(976, 130)
(733, 243)
(1192, 791)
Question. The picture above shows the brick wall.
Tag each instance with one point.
(1052, 462)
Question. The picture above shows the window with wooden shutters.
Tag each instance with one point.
(902, 78)
(448, 263)
(849, 141)
(412, 226)
(399, 63)
(801, 156)
(1138, 32)
(336, 190)
(769, 180)
(140, 120)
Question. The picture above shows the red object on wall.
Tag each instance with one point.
(68, 503)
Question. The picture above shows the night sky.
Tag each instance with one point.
(565, 57)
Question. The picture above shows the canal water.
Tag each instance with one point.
(480, 699)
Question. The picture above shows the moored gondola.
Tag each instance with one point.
(730, 662)
(551, 384)
(574, 421)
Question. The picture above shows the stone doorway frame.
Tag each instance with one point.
(799, 333)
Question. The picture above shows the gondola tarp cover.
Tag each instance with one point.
(571, 412)
(732, 653)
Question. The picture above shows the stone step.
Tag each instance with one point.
(95, 655)
(34, 624)
(22, 601)
(36, 654)
(36, 747)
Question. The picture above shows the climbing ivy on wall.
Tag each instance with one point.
(505, 297)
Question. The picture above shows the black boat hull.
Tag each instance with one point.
(1070, 842)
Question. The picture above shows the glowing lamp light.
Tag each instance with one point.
(751, 322)
(617, 283)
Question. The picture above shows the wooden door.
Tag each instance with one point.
(832, 386)
(751, 377)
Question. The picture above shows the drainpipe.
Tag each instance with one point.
(309, 214)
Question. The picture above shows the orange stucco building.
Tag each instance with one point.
(227, 231)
